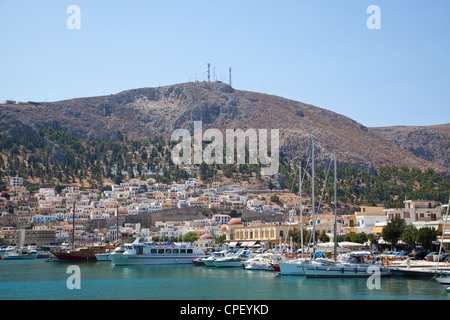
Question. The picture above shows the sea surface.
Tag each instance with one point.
(40, 280)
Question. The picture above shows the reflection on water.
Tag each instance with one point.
(36, 279)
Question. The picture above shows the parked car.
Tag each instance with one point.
(402, 254)
(429, 257)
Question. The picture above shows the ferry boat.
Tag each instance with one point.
(156, 254)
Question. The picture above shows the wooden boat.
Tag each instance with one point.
(82, 253)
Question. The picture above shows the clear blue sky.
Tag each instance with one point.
(317, 52)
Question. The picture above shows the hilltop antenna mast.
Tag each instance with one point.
(209, 79)
(230, 77)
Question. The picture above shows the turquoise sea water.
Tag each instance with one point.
(40, 280)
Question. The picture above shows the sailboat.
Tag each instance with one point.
(345, 269)
(444, 278)
(294, 267)
(82, 253)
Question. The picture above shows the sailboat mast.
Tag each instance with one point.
(335, 208)
(301, 208)
(312, 195)
(73, 225)
(443, 234)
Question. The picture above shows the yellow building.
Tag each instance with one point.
(266, 235)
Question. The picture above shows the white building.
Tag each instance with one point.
(416, 211)
(16, 182)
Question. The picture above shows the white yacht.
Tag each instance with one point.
(209, 260)
(105, 256)
(259, 262)
(155, 253)
(235, 260)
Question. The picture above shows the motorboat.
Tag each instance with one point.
(209, 260)
(259, 262)
(21, 254)
(105, 255)
(138, 253)
(235, 260)
(8, 249)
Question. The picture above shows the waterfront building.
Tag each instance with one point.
(265, 235)
(38, 236)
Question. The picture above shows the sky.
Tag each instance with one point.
(319, 52)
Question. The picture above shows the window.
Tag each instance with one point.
(153, 251)
(169, 251)
(175, 250)
(182, 250)
(189, 250)
(160, 250)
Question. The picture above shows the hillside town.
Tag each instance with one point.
(51, 217)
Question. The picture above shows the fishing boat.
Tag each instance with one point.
(235, 260)
(138, 253)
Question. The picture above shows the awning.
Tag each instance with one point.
(233, 244)
(378, 229)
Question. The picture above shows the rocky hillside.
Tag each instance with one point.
(146, 112)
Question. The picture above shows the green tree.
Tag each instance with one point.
(274, 198)
(393, 231)
(191, 236)
(410, 236)
(426, 236)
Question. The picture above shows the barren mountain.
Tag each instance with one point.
(141, 113)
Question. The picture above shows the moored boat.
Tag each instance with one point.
(80, 254)
(235, 260)
(259, 262)
(444, 279)
(21, 254)
(156, 254)
(209, 260)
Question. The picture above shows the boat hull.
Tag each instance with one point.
(69, 256)
(291, 269)
(444, 280)
(20, 257)
(228, 263)
(343, 271)
(102, 257)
